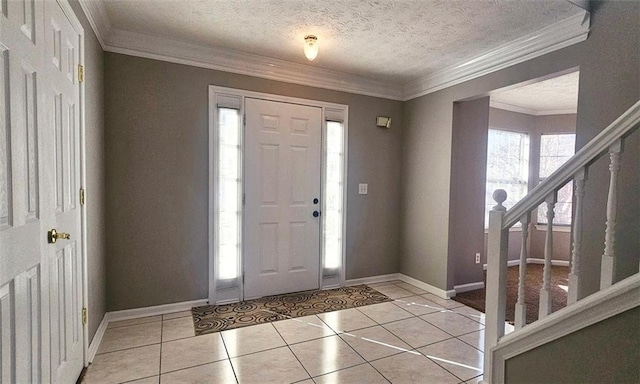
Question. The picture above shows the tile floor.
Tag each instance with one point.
(418, 338)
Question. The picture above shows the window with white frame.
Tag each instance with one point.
(555, 150)
(334, 191)
(229, 190)
(507, 167)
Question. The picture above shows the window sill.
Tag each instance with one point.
(539, 227)
(512, 229)
(556, 228)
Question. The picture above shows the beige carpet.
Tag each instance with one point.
(216, 318)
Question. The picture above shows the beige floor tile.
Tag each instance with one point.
(140, 320)
(306, 381)
(325, 355)
(413, 289)
(185, 353)
(456, 357)
(452, 323)
(393, 291)
(471, 313)
(385, 312)
(127, 365)
(417, 305)
(346, 320)
(363, 373)
(176, 315)
(302, 329)
(412, 367)
(148, 380)
(474, 339)
(273, 366)
(131, 336)
(255, 338)
(416, 332)
(218, 372)
(179, 328)
(375, 342)
(446, 303)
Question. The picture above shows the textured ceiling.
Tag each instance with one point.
(391, 40)
(556, 94)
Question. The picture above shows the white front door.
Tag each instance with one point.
(40, 283)
(282, 192)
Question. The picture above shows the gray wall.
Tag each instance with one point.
(609, 63)
(157, 178)
(612, 352)
(95, 184)
(609, 85)
(468, 184)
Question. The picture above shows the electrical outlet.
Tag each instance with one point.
(477, 258)
(362, 189)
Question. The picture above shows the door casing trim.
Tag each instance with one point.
(231, 295)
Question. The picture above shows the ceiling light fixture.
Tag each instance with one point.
(310, 47)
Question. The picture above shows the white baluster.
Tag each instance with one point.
(608, 266)
(574, 275)
(545, 294)
(496, 299)
(521, 307)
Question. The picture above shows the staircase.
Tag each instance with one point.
(614, 296)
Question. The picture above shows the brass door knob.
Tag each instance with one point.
(54, 235)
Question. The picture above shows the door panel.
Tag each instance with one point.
(282, 177)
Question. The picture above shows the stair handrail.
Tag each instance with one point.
(623, 125)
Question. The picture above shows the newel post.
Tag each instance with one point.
(496, 300)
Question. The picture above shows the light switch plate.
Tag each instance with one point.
(362, 189)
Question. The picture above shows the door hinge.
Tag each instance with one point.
(243, 200)
(244, 120)
(80, 73)
(242, 278)
(82, 196)
(84, 316)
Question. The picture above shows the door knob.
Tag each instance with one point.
(54, 235)
(316, 213)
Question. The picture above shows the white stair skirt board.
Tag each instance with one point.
(404, 278)
(511, 263)
(601, 305)
(468, 287)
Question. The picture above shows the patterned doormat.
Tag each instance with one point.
(216, 318)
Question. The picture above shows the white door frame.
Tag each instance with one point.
(330, 111)
(77, 26)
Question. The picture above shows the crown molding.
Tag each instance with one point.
(551, 38)
(137, 44)
(556, 36)
(530, 111)
(98, 17)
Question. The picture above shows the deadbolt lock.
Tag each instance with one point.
(54, 235)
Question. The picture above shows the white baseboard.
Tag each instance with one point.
(97, 338)
(407, 279)
(373, 279)
(427, 287)
(530, 260)
(154, 311)
(560, 263)
(468, 287)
